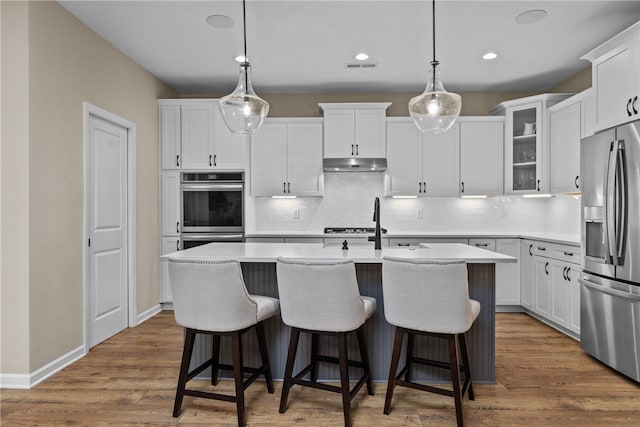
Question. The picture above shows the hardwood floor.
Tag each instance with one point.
(543, 379)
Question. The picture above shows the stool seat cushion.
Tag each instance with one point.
(369, 306)
(267, 306)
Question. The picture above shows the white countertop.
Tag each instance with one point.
(269, 252)
(569, 239)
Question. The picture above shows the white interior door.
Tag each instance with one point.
(107, 230)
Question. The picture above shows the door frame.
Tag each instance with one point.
(89, 110)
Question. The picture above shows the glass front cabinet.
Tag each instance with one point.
(526, 149)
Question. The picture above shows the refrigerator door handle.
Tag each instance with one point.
(609, 228)
(608, 290)
(621, 203)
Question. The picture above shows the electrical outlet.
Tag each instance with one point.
(296, 213)
(419, 213)
(504, 212)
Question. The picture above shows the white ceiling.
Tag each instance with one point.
(302, 46)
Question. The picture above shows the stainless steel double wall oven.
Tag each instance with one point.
(212, 207)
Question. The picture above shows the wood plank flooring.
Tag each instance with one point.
(543, 379)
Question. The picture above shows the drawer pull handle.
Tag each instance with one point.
(542, 248)
(484, 245)
(568, 253)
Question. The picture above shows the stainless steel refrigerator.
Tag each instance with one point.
(610, 282)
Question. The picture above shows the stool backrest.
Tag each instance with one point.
(211, 295)
(426, 295)
(320, 295)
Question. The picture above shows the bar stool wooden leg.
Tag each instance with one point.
(288, 372)
(315, 343)
(190, 336)
(344, 378)
(236, 350)
(409, 356)
(215, 357)
(455, 376)
(264, 356)
(364, 356)
(393, 368)
(465, 365)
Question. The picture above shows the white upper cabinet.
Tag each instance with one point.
(354, 129)
(193, 136)
(286, 158)
(615, 67)
(170, 136)
(567, 126)
(481, 154)
(526, 145)
(421, 164)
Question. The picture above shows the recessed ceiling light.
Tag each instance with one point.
(240, 58)
(489, 56)
(531, 16)
(362, 56)
(221, 22)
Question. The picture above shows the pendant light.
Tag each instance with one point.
(242, 110)
(436, 110)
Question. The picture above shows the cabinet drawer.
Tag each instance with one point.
(415, 241)
(489, 244)
(557, 251)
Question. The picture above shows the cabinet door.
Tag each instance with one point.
(170, 195)
(370, 136)
(559, 312)
(170, 136)
(441, 163)
(168, 245)
(573, 321)
(197, 135)
(527, 274)
(304, 160)
(403, 160)
(508, 275)
(481, 164)
(616, 81)
(339, 128)
(268, 160)
(523, 150)
(542, 290)
(229, 149)
(564, 141)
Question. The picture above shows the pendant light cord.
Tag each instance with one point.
(246, 59)
(435, 62)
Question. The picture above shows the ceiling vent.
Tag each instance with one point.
(356, 65)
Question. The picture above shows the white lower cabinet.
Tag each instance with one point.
(556, 291)
(508, 274)
(169, 245)
(527, 274)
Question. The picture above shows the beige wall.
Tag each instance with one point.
(576, 83)
(69, 64)
(14, 190)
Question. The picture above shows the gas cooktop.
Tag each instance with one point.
(352, 230)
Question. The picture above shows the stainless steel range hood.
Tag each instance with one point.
(354, 164)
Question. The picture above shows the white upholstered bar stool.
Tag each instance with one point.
(210, 297)
(429, 297)
(321, 297)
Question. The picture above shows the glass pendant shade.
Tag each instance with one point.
(242, 110)
(436, 110)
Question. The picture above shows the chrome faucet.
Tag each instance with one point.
(376, 218)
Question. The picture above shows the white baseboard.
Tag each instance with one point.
(26, 381)
(142, 317)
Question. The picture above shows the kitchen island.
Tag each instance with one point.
(259, 270)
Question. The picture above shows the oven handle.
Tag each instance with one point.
(213, 237)
(209, 187)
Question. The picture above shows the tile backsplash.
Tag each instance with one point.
(349, 197)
